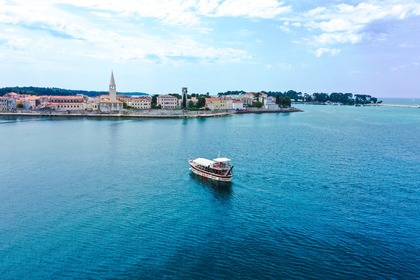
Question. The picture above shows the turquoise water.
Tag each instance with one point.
(332, 192)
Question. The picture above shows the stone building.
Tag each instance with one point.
(167, 101)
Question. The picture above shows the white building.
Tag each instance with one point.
(67, 103)
(237, 105)
(167, 101)
(270, 103)
(262, 97)
(7, 103)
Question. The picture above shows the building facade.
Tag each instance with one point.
(7, 104)
(141, 102)
(219, 103)
(167, 101)
(67, 103)
(237, 105)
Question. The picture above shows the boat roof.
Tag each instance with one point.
(203, 161)
(222, 159)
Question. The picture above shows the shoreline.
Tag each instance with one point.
(159, 114)
(393, 105)
(358, 105)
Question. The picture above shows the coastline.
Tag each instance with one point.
(157, 113)
(360, 105)
(393, 105)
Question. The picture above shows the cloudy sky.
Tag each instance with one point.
(370, 47)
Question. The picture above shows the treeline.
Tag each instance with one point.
(343, 98)
(321, 97)
(57, 91)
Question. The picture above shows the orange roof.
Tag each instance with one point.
(55, 103)
(167, 96)
(65, 97)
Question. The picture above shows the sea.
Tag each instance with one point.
(401, 101)
(332, 192)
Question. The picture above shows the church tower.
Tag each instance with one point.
(112, 88)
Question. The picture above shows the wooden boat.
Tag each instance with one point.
(218, 169)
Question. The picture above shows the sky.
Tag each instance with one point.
(363, 47)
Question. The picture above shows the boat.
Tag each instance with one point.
(218, 169)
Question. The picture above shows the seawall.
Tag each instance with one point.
(157, 113)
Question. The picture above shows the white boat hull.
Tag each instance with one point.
(209, 175)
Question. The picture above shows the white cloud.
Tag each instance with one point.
(186, 12)
(285, 27)
(45, 27)
(344, 17)
(251, 8)
(406, 46)
(348, 24)
(337, 38)
(326, 51)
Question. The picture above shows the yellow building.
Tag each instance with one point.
(141, 102)
(219, 103)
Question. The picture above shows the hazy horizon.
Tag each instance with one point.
(362, 47)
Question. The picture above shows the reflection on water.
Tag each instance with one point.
(220, 190)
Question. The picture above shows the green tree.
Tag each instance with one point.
(321, 97)
(287, 102)
(184, 103)
(293, 94)
(337, 97)
(154, 101)
(201, 102)
(126, 106)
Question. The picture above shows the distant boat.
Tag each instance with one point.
(218, 169)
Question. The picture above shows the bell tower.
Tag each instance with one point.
(112, 88)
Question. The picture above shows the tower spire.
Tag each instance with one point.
(112, 88)
(112, 81)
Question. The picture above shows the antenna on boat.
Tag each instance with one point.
(218, 155)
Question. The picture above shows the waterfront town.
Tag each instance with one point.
(116, 103)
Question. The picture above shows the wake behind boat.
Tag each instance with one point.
(219, 169)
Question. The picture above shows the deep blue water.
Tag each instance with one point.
(329, 193)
